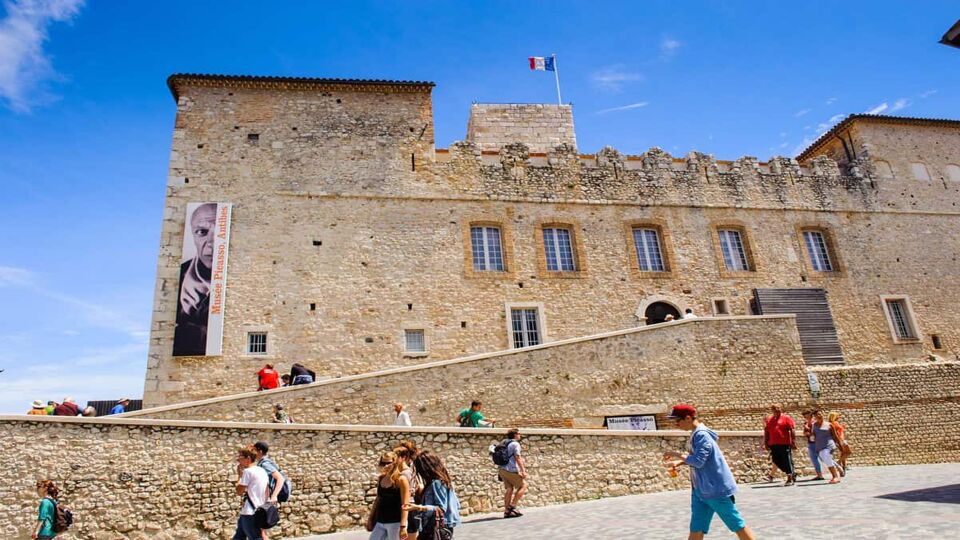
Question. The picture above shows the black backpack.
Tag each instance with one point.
(267, 515)
(287, 488)
(501, 454)
(62, 518)
(465, 420)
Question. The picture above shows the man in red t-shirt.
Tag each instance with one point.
(268, 378)
(778, 439)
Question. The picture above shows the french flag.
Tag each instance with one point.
(542, 63)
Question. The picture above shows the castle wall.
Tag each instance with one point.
(337, 215)
(154, 479)
(739, 364)
(542, 127)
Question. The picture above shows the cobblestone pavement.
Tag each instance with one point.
(875, 503)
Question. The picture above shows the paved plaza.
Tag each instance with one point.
(898, 502)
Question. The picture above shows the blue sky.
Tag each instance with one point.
(86, 118)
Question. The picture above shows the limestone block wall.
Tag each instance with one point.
(541, 127)
(126, 479)
(740, 363)
(896, 413)
(346, 231)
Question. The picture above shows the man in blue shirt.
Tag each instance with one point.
(120, 407)
(713, 483)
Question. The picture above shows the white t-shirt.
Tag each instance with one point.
(403, 419)
(689, 316)
(256, 480)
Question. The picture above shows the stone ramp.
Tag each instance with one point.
(728, 363)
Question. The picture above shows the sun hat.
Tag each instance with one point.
(37, 404)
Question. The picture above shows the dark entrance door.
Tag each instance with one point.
(657, 312)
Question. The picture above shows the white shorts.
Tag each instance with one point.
(826, 457)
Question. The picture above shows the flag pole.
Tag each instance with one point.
(556, 75)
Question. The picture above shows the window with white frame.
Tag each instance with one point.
(920, 171)
(818, 251)
(525, 325)
(953, 172)
(558, 249)
(734, 254)
(256, 343)
(415, 341)
(901, 319)
(486, 248)
(648, 245)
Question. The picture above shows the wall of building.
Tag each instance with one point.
(394, 253)
(740, 363)
(541, 127)
(155, 479)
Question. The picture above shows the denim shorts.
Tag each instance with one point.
(702, 511)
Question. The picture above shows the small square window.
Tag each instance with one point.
(414, 341)
(257, 343)
(720, 306)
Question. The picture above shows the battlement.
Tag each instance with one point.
(656, 177)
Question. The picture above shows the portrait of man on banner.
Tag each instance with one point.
(202, 280)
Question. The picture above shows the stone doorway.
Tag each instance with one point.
(657, 312)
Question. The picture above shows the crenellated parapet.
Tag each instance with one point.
(655, 178)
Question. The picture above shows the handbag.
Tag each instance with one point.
(439, 531)
(267, 515)
(371, 522)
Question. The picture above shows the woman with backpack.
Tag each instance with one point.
(47, 514)
(388, 517)
(441, 507)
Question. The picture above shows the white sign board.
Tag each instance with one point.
(645, 422)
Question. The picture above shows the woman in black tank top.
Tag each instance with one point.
(392, 491)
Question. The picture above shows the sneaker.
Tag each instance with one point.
(769, 478)
(818, 477)
(790, 482)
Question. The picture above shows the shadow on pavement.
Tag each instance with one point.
(940, 494)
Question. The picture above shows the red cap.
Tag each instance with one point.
(682, 410)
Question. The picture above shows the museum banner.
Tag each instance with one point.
(203, 280)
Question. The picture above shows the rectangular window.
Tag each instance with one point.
(526, 328)
(257, 343)
(415, 341)
(486, 249)
(558, 249)
(900, 319)
(720, 307)
(734, 255)
(649, 255)
(817, 250)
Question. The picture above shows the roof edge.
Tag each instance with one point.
(874, 118)
(179, 80)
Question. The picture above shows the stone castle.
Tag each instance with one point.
(358, 246)
(513, 269)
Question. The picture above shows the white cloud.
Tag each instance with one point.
(901, 103)
(95, 314)
(784, 144)
(613, 78)
(24, 65)
(801, 112)
(636, 105)
(831, 101)
(111, 355)
(835, 118)
(878, 109)
(669, 48)
(783, 134)
(928, 93)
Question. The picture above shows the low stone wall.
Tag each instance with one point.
(896, 413)
(127, 479)
(740, 363)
